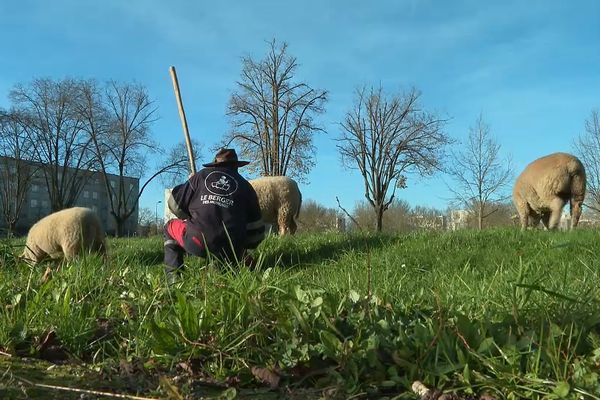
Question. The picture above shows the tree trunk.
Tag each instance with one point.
(11, 227)
(119, 222)
(480, 218)
(379, 210)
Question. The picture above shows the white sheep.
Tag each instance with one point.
(280, 201)
(545, 186)
(67, 233)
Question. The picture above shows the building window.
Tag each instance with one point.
(112, 183)
(95, 209)
(94, 195)
(33, 203)
(45, 205)
(86, 194)
(34, 188)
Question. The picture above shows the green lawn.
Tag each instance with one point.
(512, 314)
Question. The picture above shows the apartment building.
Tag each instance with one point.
(93, 195)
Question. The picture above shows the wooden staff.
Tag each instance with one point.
(184, 124)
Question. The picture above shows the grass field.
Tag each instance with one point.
(510, 314)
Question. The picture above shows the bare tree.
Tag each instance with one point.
(387, 138)
(587, 147)
(48, 113)
(118, 121)
(16, 170)
(479, 173)
(272, 115)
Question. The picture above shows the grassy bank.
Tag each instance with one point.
(502, 312)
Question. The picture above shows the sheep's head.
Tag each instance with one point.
(28, 256)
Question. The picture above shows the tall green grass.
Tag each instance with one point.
(510, 313)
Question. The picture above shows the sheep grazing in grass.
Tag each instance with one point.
(280, 201)
(545, 186)
(66, 233)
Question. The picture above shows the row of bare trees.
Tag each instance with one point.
(67, 131)
(75, 125)
(386, 137)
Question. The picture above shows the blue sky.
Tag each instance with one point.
(532, 68)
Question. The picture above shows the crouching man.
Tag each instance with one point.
(218, 214)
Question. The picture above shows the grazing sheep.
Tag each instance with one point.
(280, 200)
(70, 232)
(545, 186)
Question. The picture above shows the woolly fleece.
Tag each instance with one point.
(280, 201)
(65, 233)
(545, 186)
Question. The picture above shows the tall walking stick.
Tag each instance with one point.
(184, 124)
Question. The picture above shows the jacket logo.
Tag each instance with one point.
(220, 183)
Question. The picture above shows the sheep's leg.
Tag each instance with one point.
(288, 224)
(556, 206)
(283, 230)
(523, 210)
(533, 219)
(524, 219)
(71, 251)
(288, 227)
(577, 197)
(283, 222)
(293, 226)
(546, 220)
(575, 212)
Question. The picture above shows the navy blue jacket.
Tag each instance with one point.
(221, 207)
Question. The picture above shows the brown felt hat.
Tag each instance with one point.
(226, 158)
